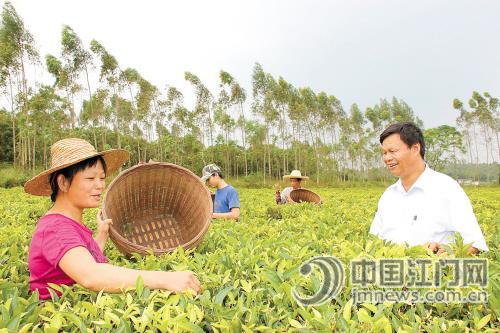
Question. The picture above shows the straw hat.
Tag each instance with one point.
(70, 151)
(295, 174)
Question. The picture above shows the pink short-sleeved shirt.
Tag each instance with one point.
(55, 234)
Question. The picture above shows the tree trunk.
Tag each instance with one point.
(498, 144)
(13, 122)
(45, 153)
(34, 151)
(94, 135)
(90, 95)
(264, 163)
(244, 138)
(283, 124)
(28, 151)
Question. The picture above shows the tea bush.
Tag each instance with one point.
(247, 270)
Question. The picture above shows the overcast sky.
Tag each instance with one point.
(425, 52)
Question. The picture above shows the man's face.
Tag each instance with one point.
(398, 157)
(213, 180)
(295, 183)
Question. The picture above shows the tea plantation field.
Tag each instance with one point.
(247, 270)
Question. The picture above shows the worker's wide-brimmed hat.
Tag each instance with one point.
(67, 152)
(295, 174)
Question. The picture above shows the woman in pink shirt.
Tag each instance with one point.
(62, 250)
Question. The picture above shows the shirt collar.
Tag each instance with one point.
(74, 222)
(421, 183)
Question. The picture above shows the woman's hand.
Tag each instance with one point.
(102, 224)
(181, 281)
(102, 230)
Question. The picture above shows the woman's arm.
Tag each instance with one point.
(79, 265)
(101, 240)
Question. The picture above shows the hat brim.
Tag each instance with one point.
(40, 185)
(294, 177)
(205, 178)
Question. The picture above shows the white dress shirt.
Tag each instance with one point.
(432, 210)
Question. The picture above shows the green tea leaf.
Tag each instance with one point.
(219, 297)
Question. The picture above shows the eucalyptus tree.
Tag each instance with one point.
(493, 119)
(466, 121)
(145, 102)
(484, 109)
(131, 78)
(111, 75)
(263, 108)
(65, 80)
(358, 144)
(48, 119)
(93, 115)
(225, 121)
(18, 50)
(256, 140)
(312, 117)
(78, 60)
(296, 121)
(237, 97)
(203, 107)
(282, 91)
(442, 146)
(330, 112)
(484, 113)
(179, 118)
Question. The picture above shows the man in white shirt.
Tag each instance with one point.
(424, 206)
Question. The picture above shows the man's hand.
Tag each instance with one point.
(436, 248)
(472, 251)
(277, 198)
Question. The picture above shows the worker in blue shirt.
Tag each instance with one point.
(226, 202)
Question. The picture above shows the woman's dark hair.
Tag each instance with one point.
(71, 171)
(409, 134)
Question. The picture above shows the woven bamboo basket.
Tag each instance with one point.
(157, 207)
(303, 195)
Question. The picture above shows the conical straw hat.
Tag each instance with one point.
(295, 174)
(70, 151)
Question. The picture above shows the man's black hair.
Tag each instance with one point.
(71, 171)
(409, 134)
(219, 173)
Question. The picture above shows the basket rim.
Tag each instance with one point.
(116, 237)
(309, 191)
